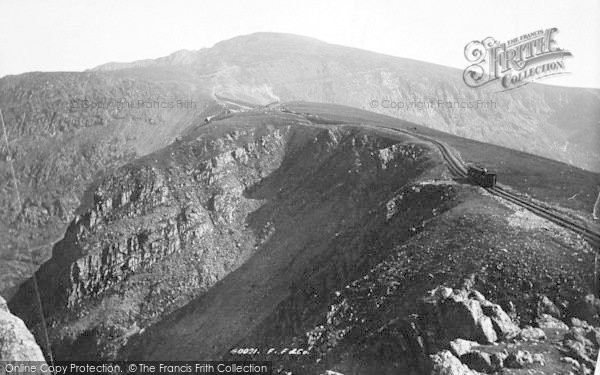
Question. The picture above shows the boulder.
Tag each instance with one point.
(546, 306)
(460, 346)
(458, 316)
(465, 318)
(502, 323)
(488, 334)
(444, 363)
(532, 334)
(546, 321)
(575, 322)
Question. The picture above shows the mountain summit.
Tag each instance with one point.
(265, 66)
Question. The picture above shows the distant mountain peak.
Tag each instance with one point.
(263, 43)
(269, 38)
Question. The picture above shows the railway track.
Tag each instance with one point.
(459, 169)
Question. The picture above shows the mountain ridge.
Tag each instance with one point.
(218, 233)
(301, 68)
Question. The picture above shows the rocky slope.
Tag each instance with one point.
(164, 229)
(368, 325)
(59, 145)
(317, 232)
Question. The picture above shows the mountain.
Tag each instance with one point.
(61, 145)
(303, 225)
(194, 190)
(556, 122)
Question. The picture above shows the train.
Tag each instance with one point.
(481, 176)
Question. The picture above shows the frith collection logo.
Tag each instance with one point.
(515, 63)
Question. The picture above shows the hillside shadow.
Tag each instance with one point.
(329, 226)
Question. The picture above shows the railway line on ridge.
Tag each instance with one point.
(460, 170)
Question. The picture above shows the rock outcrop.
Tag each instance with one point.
(527, 348)
(445, 363)
(459, 347)
(16, 342)
(457, 313)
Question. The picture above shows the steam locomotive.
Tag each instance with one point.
(481, 176)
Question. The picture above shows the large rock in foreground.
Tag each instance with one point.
(459, 314)
(16, 342)
(444, 363)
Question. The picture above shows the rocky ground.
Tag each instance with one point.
(490, 342)
(380, 322)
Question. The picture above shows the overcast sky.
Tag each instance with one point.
(67, 35)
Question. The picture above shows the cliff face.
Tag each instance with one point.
(65, 130)
(166, 228)
(16, 342)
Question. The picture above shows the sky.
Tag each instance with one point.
(64, 35)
